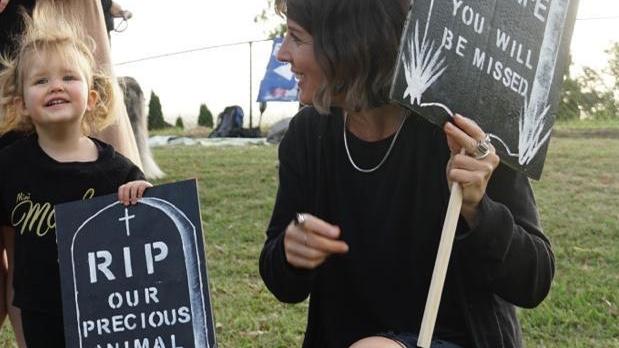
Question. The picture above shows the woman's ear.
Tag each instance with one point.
(93, 97)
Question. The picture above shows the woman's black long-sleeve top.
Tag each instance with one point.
(392, 219)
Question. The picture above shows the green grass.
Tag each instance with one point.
(578, 198)
(237, 188)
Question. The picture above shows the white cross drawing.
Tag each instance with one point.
(126, 219)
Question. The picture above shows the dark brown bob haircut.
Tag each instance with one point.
(355, 43)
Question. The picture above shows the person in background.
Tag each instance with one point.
(113, 10)
(363, 191)
(11, 27)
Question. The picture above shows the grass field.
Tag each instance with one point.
(578, 202)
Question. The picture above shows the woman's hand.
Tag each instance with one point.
(309, 243)
(472, 174)
(130, 192)
(117, 11)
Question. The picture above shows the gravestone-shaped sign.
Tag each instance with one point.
(278, 83)
(499, 62)
(135, 276)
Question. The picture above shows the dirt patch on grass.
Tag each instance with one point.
(607, 133)
(198, 132)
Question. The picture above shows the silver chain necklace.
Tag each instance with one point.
(370, 170)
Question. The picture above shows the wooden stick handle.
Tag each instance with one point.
(440, 267)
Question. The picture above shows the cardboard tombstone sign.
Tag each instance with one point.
(135, 276)
(499, 62)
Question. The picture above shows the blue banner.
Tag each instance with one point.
(279, 83)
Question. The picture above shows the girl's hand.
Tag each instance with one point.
(309, 243)
(472, 174)
(130, 192)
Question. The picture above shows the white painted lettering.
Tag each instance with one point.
(447, 39)
(128, 268)
(479, 58)
(540, 10)
(88, 326)
(102, 267)
(115, 300)
(150, 294)
(461, 46)
(184, 315)
(502, 39)
(163, 253)
(457, 4)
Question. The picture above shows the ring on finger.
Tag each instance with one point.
(483, 147)
(299, 219)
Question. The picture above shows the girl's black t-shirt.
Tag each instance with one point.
(31, 184)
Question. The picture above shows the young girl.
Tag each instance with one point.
(51, 89)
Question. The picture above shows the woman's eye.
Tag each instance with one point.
(296, 39)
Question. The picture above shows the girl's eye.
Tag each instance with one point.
(70, 78)
(40, 81)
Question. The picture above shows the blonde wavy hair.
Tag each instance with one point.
(53, 30)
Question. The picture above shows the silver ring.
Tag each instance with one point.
(482, 150)
(299, 219)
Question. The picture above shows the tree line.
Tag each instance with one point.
(592, 94)
(157, 121)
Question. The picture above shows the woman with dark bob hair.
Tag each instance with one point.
(363, 191)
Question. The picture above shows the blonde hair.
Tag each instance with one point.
(54, 31)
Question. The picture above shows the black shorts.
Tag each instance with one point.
(408, 340)
(42, 330)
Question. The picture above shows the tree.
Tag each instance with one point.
(613, 64)
(592, 94)
(179, 122)
(205, 118)
(155, 116)
(597, 99)
(268, 15)
(569, 108)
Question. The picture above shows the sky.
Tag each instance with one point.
(219, 77)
